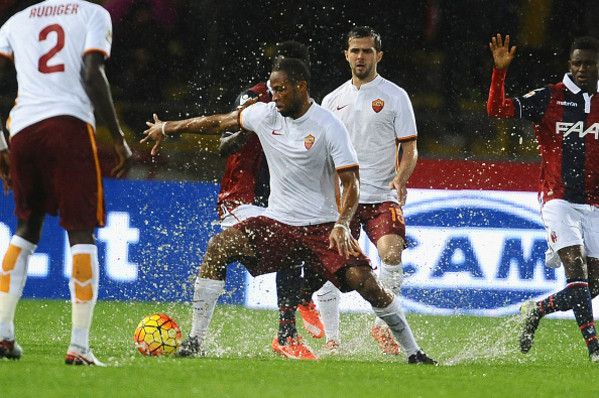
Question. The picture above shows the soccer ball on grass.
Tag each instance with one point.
(157, 334)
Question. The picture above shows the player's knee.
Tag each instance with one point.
(391, 257)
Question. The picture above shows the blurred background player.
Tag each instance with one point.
(379, 117)
(58, 48)
(300, 140)
(566, 124)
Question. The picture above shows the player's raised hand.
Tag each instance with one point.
(502, 53)
(156, 133)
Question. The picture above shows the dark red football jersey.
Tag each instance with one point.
(246, 178)
(567, 129)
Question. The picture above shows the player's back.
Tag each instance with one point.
(47, 42)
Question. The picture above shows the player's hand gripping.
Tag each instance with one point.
(503, 55)
(155, 132)
(340, 238)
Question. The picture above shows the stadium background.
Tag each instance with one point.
(184, 58)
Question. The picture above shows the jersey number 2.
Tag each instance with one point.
(42, 64)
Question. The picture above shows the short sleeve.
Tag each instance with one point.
(99, 32)
(5, 47)
(405, 121)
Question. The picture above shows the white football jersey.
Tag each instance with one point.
(378, 117)
(47, 42)
(302, 156)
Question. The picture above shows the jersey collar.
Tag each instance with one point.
(569, 83)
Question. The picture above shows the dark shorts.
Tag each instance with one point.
(55, 170)
(279, 246)
(378, 220)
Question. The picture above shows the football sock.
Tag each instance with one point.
(287, 326)
(289, 283)
(13, 275)
(205, 295)
(392, 276)
(14, 266)
(328, 298)
(396, 320)
(83, 286)
(577, 297)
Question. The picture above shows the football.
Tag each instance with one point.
(157, 334)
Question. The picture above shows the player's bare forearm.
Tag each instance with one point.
(409, 159)
(340, 237)
(98, 90)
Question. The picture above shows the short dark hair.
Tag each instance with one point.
(292, 49)
(364, 31)
(295, 68)
(585, 43)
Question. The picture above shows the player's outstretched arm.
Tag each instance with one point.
(98, 90)
(216, 124)
(503, 55)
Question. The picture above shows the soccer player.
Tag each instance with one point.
(566, 121)
(379, 117)
(304, 145)
(244, 193)
(58, 48)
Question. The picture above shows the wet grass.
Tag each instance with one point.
(479, 357)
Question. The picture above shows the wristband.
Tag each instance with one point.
(164, 132)
(3, 145)
(343, 226)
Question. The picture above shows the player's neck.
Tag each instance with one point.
(358, 82)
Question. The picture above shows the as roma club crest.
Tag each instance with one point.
(309, 141)
(377, 105)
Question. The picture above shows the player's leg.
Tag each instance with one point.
(565, 224)
(224, 248)
(307, 309)
(387, 307)
(328, 297)
(289, 284)
(13, 276)
(83, 287)
(593, 269)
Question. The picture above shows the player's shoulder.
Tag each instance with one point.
(391, 88)
(335, 93)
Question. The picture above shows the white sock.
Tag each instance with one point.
(396, 320)
(13, 276)
(84, 293)
(205, 295)
(328, 305)
(392, 276)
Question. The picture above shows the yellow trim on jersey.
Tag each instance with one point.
(100, 191)
(91, 50)
(344, 168)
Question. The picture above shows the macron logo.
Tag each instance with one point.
(567, 103)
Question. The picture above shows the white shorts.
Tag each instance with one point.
(240, 213)
(570, 224)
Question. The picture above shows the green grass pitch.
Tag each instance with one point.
(479, 358)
